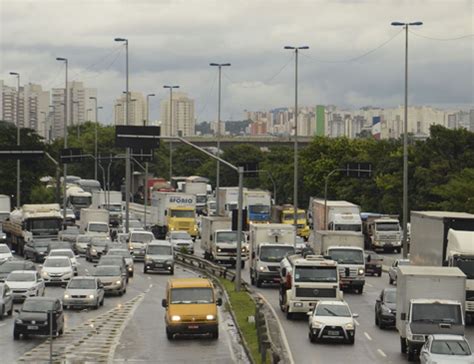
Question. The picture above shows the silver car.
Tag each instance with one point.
(159, 257)
(6, 300)
(181, 240)
(24, 284)
(128, 258)
(112, 278)
(84, 291)
(392, 272)
(446, 349)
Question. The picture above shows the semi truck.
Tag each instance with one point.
(269, 244)
(347, 249)
(32, 221)
(383, 233)
(94, 222)
(77, 199)
(285, 215)
(110, 201)
(172, 211)
(430, 300)
(306, 280)
(442, 238)
(219, 242)
(334, 215)
(258, 205)
(197, 186)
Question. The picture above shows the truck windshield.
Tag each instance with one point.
(201, 198)
(259, 209)
(99, 228)
(450, 347)
(275, 253)
(300, 216)
(191, 295)
(226, 237)
(387, 226)
(347, 256)
(436, 313)
(49, 225)
(315, 274)
(348, 227)
(182, 213)
(467, 267)
(81, 200)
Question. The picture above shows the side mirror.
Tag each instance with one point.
(403, 316)
(164, 302)
(219, 302)
(355, 315)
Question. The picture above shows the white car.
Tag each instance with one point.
(57, 270)
(446, 349)
(24, 284)
(181, 239)
(65, 253)
(392, 272)
(5, 253)
(332, 320)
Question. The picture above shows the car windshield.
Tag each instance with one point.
(467, 267)
(347, 256)
(100, 243)
(158, 250)
(61, 253)
(387, 226)
(11, 266)
(333, 310)
(226, 237)
(436, 313)
(348, 227)
(107, 271)
(182, 213)
(212, 206)
(81, 200)
(83, 239)
(275, 253)
(59, 245)
(114, 208)
(142, 237)
(41, 245)
(315, 274)
(81, 284)
(191, 295)
(111, 260)
(450, 347)
(21, 277)
(101, 228)
(4, 249)
(37, 305)
(56, 263)
(51, 224)
(201, 199)
(181, 235)
(120, 253)
(259, 209)
(390, 296)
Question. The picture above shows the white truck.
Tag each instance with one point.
(430, 300)
(219, 242)
(347, 249)
(94, 222)
(5, 209)
(77, 199)
(111, 201)
(305, 281)
(386, 234)
(337, 216)
(258, 204)
(173, 211)
(228, 199)
(196, 185)
(443, 238)
(269, 244)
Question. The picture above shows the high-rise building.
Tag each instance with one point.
(183, 116)
(136, 109)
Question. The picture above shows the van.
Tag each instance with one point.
(191, 307)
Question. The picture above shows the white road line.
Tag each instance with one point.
(381, 353)
(357, 322)
(369, 285)
(367, 336)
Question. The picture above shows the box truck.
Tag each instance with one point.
(334, 215)
(94, 222)
(111, 201)
(285, 214)
(258, 205)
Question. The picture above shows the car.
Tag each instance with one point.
(84, 291)
(115, 260)
(134, 225)
(128, 258)
(70, 234)
(332, 320)
(6, 301)
(444, 349)
(386, 308)
(36, 250)
(58, 244)
(392, 272)
(300, 245)
(96, 248)
(11, 265)
(70, 217)
(57, 270)
(5, 253)
(25, 283)
(181, 240)
(112, 278)
(65, 253)
(138, 242)
(122, 238)
(34, 318)
(373, 264)
(80, 246)
(191, 307)
(159, 257)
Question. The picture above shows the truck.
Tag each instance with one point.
(269, 244)
(111, 201)
(5, 209)
(94, 222)
(430, 300)
(347, 249)
(30, 222)
(442, 238)
(228, 199)
(219, 242)
(77, 199)
(306, 280)
(197, 186)
(258, 205)
(384, 233)
(285, 215)
(172, 211)
(337, 216)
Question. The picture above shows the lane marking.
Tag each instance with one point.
(368, 284)
(357, 322)
(381, 353)
(367, 336)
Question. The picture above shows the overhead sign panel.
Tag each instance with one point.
(16, 152)
(359, 170)
(139, 137)
(71, 155)
(142, 154)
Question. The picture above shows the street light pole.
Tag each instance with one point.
(218, 167)
(145, 184)
(65, 139)
(18, 181)
(95, 134)
(295, 157)
(405, 139)
(171, 127)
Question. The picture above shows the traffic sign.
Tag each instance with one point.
(359, 170)
(71, 155)
(142, 154)
(147, 137)
(16, 152)
(250, 169)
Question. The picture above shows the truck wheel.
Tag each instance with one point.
(390, 280)
(360, 290)
(169, 335)
(403, 345)
(252, 280)
(258, 283)
(411, 354)
(16, 335)
(311, 337)
(242, 264)
(215, 335)
(289, 315)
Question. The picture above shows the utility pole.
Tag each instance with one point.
(18, 180)
(65, 139)
(171, 126)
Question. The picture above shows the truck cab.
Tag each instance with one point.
(351, 265)
(98, 228)
(265, 262)
(258, 205)
(138, 242)
(287, 217)
(224, 248)
(182, 218)
(386, 234)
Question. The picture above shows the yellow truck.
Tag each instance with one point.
(284, 214)
(191, 307)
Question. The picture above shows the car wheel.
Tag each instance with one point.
(9, 313)
(169, 335)
(16, 335)
(61, 331)
(215, 335)
(360, 290)
(97, 304)
(289, 315)
(242, 264)
(351, 340)
(2, 312)
(311, 337)
(411, 355)
(102, 302)
(145, 270)
(172, 271)
(380, 274)
(390, 280)
(376, 320)
(403, 345)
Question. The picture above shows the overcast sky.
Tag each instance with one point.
(173, 42)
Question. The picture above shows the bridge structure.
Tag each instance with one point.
(259, 141)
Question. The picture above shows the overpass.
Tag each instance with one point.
(259, 141)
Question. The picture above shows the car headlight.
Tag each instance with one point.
(175, 318)
(32, 289)
(317, 325)
(94, 250)
(44, 274)
(210, 317)
(66, 296)
(298, 304)
(91, 296)
(18, 321)
(118, 282)
(130, 268)
(349, 326)
(147, 257)
(219, 249)
(361, 271)
(263, 268)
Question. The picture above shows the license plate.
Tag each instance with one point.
(158, 265)
(333, 333)
(193, 326)
(32, 327)
(56, 279)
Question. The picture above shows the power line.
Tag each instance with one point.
(208, 95)
(441, 39)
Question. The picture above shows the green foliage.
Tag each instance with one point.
(41, 194)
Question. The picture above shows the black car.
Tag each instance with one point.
(35, 316)
(36, 250)
(11, 265)
(373, 264)
(386, 308)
